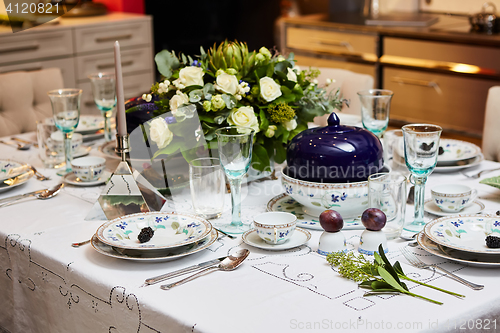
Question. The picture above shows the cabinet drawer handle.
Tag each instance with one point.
(106, 66)
(330, 42)
(420, 83)
(29, 47)
(89, 103)
(112, 38)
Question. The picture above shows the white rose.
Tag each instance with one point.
(177, 100)
(244, 117)
(291, 75)
(269, 90)
(160, 133)
(191, 76)
(290, 125)
(227, 83)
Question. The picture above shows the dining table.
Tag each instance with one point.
(46, 285)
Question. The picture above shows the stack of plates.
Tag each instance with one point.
(175, 235)
(455, 155)
(461, 238)
(13, 173)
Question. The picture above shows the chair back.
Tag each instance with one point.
(349, 84)
(24, 100)
(491, 132)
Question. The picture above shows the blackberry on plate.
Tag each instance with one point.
(145, 235)
(493, 242)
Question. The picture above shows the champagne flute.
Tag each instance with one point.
(375, 108)
(421, 147)
(66, 112)
(235, 155)
(104, 92)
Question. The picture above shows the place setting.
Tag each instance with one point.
(87, 171)
(453, 155)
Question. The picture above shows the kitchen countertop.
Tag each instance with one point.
(448, 29)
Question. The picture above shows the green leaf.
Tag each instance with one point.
(378, 260)
(279, 152)
(384, 274)
(230, 101)
(171, 148)
(398, 268)
(387, 264)
(380, 285)
(264, 123)
(166, 62)
(260, 159)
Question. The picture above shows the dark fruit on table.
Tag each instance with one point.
(331, 221)
(145, 235)
(493, 242)
(373, 219)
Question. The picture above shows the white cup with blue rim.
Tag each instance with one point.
(452, 198)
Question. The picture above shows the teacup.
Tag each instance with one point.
(275, 227)
(452, 198)
(57, 141)
(88, 168)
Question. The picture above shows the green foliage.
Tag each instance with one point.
(378, 276)
(300, 99)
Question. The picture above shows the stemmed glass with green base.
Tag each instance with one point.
(104, 92)
(66, 112)
(375, 109)
(421, 146)
(235, 154)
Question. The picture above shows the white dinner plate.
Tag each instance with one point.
(13, 174)
(472, 259)
(82, 151)
(285, 203)
(170, 230)
(154, 256)
(464, 232)
(71, 178)
(474, 208)
(454, 151)
(299, 237)
(398, 159)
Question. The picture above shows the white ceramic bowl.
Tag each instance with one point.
(58, 142)
(349, 199)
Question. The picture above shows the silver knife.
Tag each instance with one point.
(189, 269)
(20, 196)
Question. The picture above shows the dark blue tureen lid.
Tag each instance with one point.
(334, 154)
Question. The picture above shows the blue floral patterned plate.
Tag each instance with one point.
(285, 203)
(464, 232)
(170, 230)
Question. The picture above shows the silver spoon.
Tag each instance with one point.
(20, 146)
(43, 194)
(228, 264)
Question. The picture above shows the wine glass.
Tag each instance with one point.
(104, 92)
(66, 112)
(235, 155)
(375, 108)
(421, 147)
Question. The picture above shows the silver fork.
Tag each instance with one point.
(414, 261)
(38, 175)
(477, 175)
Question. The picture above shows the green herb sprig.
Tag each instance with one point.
(379, 276)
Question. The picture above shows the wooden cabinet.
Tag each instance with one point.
(81, 46)
(437, 76)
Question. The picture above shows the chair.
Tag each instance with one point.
(491, 134)
(349, 83)
(24, 100)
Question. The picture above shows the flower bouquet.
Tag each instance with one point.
(231, 86)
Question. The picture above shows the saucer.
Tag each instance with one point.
(430, 207)
(285, 203)
(71, 178)
(299, 237)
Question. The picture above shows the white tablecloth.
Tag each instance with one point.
(48, 286)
